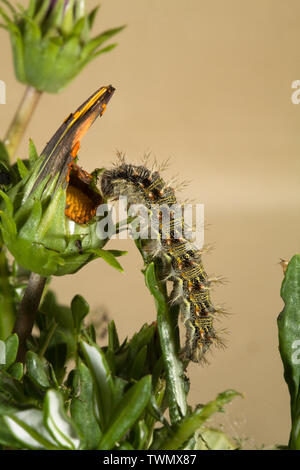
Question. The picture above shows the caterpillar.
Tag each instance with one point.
(178, 257)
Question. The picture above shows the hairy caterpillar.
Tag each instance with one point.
(180, 260)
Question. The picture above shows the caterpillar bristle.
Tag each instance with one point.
(178, 260)
(202, 226)
(207, 248)
(218, 280)
(220, 341)
(221, 311)
(145, 159)
(188, 201)
(164, 165)
(121, 158)
(179, 185)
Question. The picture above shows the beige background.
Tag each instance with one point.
(208, 84)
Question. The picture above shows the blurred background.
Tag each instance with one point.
(206, 83)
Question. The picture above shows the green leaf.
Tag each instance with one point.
(126, 446)
(18, 52)
(58, 423)
(6, 405)
(185, 429)
(102, 51)
(11, 349)
(37, 370)
(289, 342)
(8, 4)
(79, 27)
(8, 302)
(113, 339)
(54, 20)
(82, 409)
(16, 370)
(119, 387)
(127, 413)
(60, 313)
(70, 51)
(30, 227)
(104, 386)
(6, 437)
(109, 257)
(212, 439)
(4, 156)
(154, 408)
(6, 176)
(80, 308)
(13, 389)
(137, 368)
(140, 432)
(28, 428)
(140, 339)
(92, 16)
(80, 6)
(31, 10)
(57, 354)
(117, 253)
(5, 17)
(128, 351)
(23, 170)
(96, 42)
(33, 155)
(42, 12)
(8, 204)
(68, 23)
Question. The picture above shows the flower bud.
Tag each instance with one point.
(51, 41)
(48, 219)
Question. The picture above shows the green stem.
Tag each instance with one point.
(191, 424)
(48, 339)
(28, 310)
(166, 320)
(173, 366)
(7, 304)
(21, 119)
(150, 421)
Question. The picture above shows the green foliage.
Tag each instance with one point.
(289, 343)
(114, 397)
(50, 44)
(210, 439)
(4, 157)
(111, 398)
(35, 230)
(13, 280)
(69, 393)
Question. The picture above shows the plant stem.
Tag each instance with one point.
(48, 339)
(189, 425)
(166, 320)
(21, 119)
(173, 366)
(7, 304)
(27, 313)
